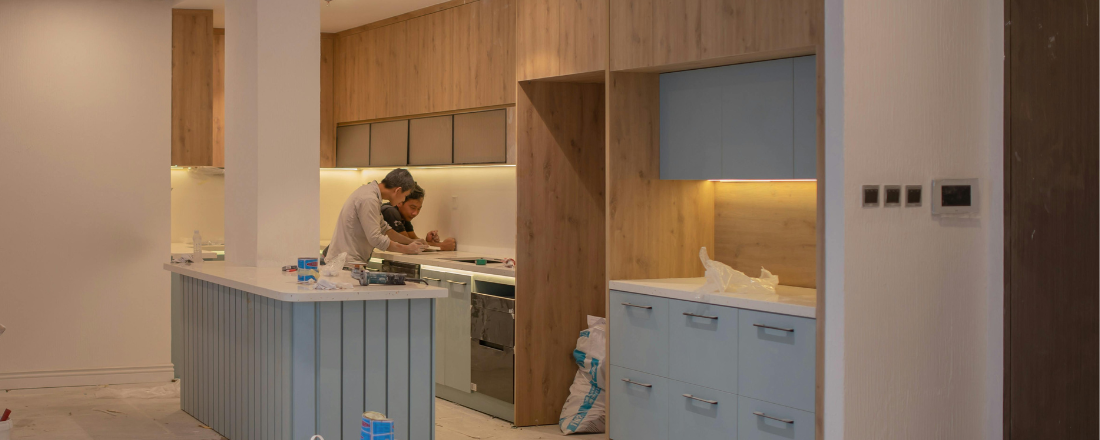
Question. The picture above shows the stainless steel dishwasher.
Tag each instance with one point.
(493, 342)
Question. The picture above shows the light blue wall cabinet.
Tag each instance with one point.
(745, 121)
(703, 344)
(682, 369)
(776, 358)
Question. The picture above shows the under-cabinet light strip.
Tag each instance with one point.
(762, 180)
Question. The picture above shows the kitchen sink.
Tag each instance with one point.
(473, 260)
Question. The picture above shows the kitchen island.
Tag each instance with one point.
(267, 358)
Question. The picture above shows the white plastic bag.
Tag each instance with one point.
(722, 278)
(585, 409)
(333, 265)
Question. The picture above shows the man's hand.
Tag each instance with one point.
(432, 236)
(448, 245)
(412, 248)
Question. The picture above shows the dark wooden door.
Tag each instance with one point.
(1052, 293)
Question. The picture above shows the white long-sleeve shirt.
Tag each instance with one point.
(360, 227)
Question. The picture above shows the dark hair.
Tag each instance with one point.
(416, 194)
(399, 178)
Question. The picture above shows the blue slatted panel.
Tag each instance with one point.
(264, 368)
(421, 351)
(253, 365)
(397, 395)
(352, 369)
(303, 380)
(375, 333)
(329, 347)
(288, 327)
(277, 389)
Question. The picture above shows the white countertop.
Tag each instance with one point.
(795, 301)
(440, 259)
(180, 249)
(273, 283)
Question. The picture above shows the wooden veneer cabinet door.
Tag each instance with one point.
(192, 87)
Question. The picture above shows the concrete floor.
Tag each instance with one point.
(152, 411)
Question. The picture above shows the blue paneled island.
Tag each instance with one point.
(266, 358)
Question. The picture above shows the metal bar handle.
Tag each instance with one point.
(463, 284)
(638, 383)
(712, 402)
(787, 421)
(789, 330)
(430, 279)
(701, 316)
(635, 305)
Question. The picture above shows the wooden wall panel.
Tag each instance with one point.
(219, 98)
(454, 58)
(328, 123)
(560, 182)
(769, 224)
(192, 87)
(656, 226)
(653, 33)
(561, 38)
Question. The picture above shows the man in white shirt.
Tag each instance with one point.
(360, 227)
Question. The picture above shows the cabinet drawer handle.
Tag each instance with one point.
(638, 383)
(635, 305)
(430, 279)
(712, 402)
(789, 330)
(463, 284)
(787, 421)
(701, 316)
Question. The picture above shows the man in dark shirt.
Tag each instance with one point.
(400, 216)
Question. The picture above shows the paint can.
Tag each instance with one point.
(307, 269)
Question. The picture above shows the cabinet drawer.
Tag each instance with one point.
(696, 412)
(702, 344)
(639, 332)
(442, 308)
(639, 407)
(775, 358)
(757, 420)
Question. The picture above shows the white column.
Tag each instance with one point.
(272, 85)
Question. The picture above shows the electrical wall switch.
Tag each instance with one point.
(955, 197)
(893, 196)
(912, 195)
(870, 196)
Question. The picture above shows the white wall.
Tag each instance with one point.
(198, 202)
(84, 131)
(921, 100)
(476, 205)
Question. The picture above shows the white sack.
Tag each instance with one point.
(585, 409)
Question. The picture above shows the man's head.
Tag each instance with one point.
(397, 184)
(410, 208)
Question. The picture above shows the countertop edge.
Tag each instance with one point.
(726, 301)
(315, 296)
(428, 260)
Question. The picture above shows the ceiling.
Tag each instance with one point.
(336, 15)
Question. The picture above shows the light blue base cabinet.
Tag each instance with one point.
(681, 369)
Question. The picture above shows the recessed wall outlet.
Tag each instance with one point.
(955, 197)
(893, 196)
(912, 195)
(870, 196)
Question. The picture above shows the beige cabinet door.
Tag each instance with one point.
(389, 143)
(481, 137)
(353, 146)
(430, 140)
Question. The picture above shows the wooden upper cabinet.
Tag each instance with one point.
(192, 87)
(389, 143)
(561, 38)
(655, 33)
(219, 98)
(455, 57)
(481, 137)
(328, 123)
(431, 140)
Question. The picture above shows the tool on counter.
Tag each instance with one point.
(290, 268)
(4, 418)
(367, 278)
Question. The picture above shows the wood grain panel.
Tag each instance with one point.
(561, 230)
(328, 123)
(192, 87)
(1051, 182)
(770, 225)
(648, 33)
(561, 38)
(656, 226)
(405, 17)
(496, 55)
(218, 152)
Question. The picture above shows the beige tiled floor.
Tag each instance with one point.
(152, 411)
